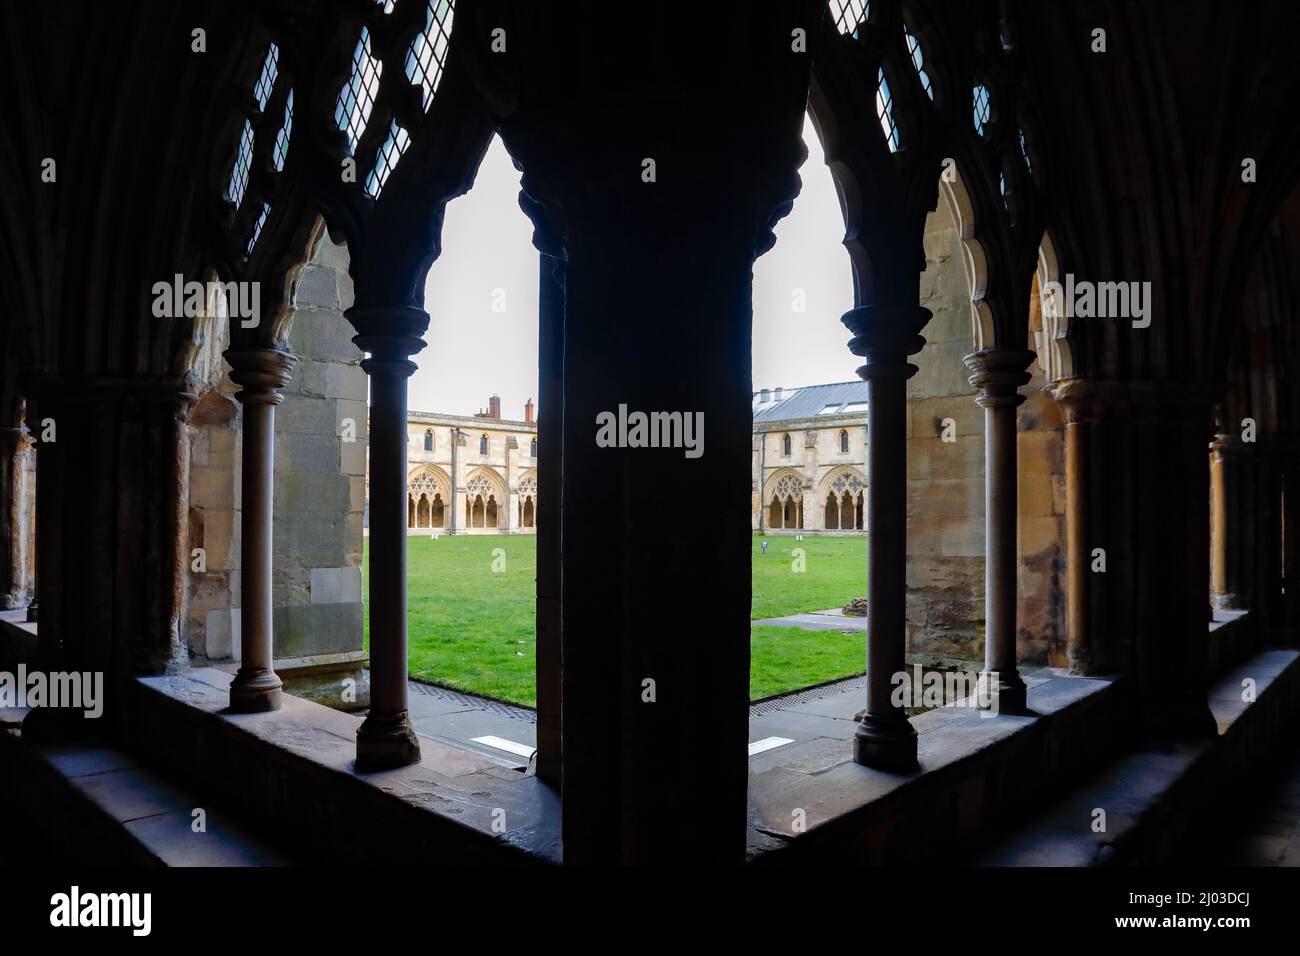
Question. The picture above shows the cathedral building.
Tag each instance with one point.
(810, 453)
(472, 474)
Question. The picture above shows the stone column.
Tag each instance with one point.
(391, 335)
(1138, 550)
(1218, 523)
(453, 506)
(885, 335)
(1231, 530)
(998, 373)
(111, 590)
(16, 451)
(1266, 600)
(1287, 617)
(260, 373)
(547, 516)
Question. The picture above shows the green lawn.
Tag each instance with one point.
(473, 629)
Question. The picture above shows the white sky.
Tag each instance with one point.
(487, 246)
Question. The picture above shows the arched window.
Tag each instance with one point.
(844, 441)
(483, 445)
(918, 61)
(885, 110)
(491, 512)
(785, 446)
(428, 439)
(832, 513)
(438, 513)
(981, 107)
(532, 449)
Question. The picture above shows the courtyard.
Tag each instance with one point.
(471, 613)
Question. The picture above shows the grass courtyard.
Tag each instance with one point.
(473, 629)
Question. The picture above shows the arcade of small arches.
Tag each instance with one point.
(484, 501)
(842, 503)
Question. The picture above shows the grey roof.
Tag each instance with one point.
(808, 401)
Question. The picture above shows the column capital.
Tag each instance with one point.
(1093, 400)
(260, 373)
(1085, 401)
(390, 333)
(885, 335)
(999, 373)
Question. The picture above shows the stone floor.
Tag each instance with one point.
(782, 731)
(779, 729)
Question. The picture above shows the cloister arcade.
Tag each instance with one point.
(363, 120)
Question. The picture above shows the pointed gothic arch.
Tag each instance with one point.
(425, 483)
(784, 494)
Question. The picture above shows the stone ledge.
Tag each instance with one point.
(1233, 638)
(1167, 798)
(93, 805)
(293, 770)
(17, 638)
(976, 773)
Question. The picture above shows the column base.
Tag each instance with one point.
(386, 741)
(255, 691)
(886, 742)
(1229, 602)
(1002, 692)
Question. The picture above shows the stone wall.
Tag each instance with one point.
(945, 569)
(945, 472)
(212, 606)
(319, 472)
(320, 464)
(1040, 615)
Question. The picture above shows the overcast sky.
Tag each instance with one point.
(488, 259)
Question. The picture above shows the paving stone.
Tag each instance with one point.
(171, 838)
(131, 793)
(423, 705)
(79, 761)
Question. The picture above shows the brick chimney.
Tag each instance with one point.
(494, 407)
(528, 410)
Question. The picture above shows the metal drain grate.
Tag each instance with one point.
(804, 696)
(471, 700)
